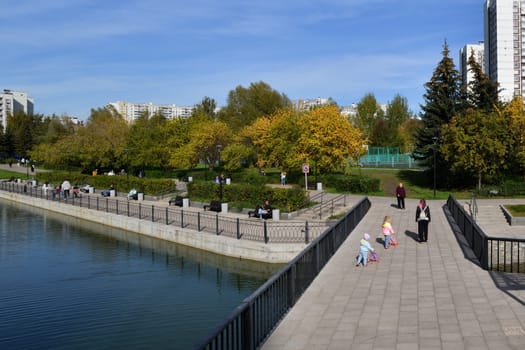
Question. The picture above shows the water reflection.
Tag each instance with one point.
(73, 284)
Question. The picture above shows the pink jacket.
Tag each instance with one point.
(387, 229)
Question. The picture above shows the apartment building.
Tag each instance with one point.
(132, 111)
(503, 45)
(464, 54)
(12, 102)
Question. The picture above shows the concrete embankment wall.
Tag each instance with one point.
(237, 248)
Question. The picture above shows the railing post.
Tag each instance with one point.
(128, 208)
(152, 213)
(140, 211)
(265, 232)
(116, 201)
(167, 221)
(306, 233)
(107, 204)
(238, 229)
(247, 329)
(199, 222)
(182, 218)
(217, 224)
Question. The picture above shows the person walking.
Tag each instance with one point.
(422, 219)
(400, 194)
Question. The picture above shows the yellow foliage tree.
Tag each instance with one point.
(328, 139)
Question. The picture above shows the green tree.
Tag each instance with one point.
(22, 130)
(206, 107)
(476, 142)
(368, 112)
(442, 102)
(245, 105)
(102, 142)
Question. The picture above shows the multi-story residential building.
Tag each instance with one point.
(464, 55)
(132, 111)
(304, 105)
(504, 23)
(12, 102)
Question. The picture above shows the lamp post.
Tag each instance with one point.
(435, 140)
(221, 179)
(127, 168)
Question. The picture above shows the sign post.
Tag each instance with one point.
(306, 170)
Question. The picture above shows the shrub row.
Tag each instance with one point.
(249, 195)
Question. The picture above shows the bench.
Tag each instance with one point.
(176, 201)
(214, 206)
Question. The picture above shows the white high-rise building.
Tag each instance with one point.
(132, 111)
(504, 22)
(12, 102)
(464, 54)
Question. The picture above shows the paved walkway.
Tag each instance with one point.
(419, 296)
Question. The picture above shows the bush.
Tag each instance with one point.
(120, 183)
(354, 183)
(242, 195)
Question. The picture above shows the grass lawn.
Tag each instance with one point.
(516, 209)
(416, 182)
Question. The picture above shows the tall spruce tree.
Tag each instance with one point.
(482, 93)
(443, 100)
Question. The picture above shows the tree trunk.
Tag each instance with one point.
(479, 180)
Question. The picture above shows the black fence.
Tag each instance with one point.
(253, 229)
(493, 253)
(252, 321)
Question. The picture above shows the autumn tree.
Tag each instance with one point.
(328, 139)
(515, 113)
(206, 142)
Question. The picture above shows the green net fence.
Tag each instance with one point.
(387, 157)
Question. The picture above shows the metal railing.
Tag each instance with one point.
(493, 253)
(252, 229)
(252, 321)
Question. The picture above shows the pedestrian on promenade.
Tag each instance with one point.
(283, 178)
(422, 219)
(364, 248)
(400, 194)
(66, 186)
(387, 231)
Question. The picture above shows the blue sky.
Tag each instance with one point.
(74, 55)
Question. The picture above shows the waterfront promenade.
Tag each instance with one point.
(430, 295)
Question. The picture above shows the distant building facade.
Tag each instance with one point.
(132, 111)
(12, 102)
(305, 105)
(464, 54)
(503, 45)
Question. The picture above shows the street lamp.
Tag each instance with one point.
(435, 140)
(127, 168)
(219, 149)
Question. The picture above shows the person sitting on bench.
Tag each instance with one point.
(265, 212)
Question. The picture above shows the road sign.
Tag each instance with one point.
(306, 168)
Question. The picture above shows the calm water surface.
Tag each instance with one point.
(69, 284)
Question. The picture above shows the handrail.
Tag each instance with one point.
(267, 231)
(493, 253)
(252, 321)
